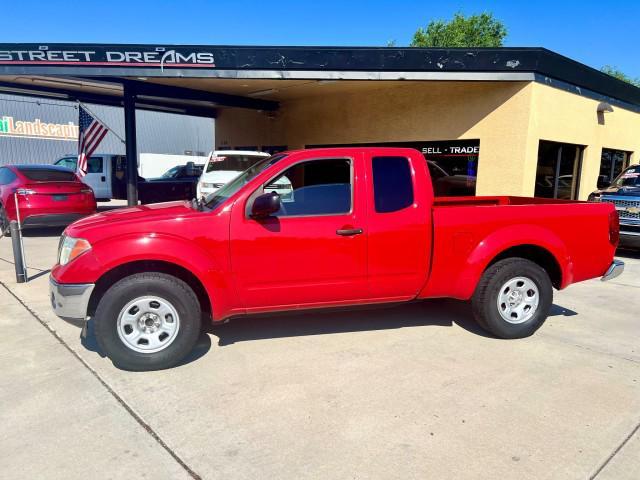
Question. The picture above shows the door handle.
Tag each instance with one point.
(347, 232)
(103, 178)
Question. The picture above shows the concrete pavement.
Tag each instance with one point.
(408, 392)
(58, 419)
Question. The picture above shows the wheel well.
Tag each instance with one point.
(127, 269)
(538, 255)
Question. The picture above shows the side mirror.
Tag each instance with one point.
(265, 205)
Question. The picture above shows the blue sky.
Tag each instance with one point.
(595, 33)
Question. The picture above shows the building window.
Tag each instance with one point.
(612, 163)
(392, 184)
(558, 173)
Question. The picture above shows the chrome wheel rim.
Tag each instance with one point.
(148, 324)
(518, 300)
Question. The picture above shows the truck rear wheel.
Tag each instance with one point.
(513, 298)
(147, 321)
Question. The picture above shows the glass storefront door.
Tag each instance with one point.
(558, 172)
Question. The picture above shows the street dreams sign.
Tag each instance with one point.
(10, 127)
(134, 56)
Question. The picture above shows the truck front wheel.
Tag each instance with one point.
(147, 321)
(513, 298)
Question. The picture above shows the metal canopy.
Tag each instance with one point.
(148, 96)
(353, 63)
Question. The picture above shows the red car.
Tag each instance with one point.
(48, 196)
(360, 226)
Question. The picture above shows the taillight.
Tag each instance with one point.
(614, 228)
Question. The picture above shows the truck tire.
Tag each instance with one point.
(513, 298)
(147, 321)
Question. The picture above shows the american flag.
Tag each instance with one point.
(92, 131)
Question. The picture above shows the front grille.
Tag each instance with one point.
(626, 208)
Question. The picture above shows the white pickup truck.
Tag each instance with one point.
(225, 165)
(105, 174)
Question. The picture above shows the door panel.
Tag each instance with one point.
(399, 225)
(97, 177)
(296, 259)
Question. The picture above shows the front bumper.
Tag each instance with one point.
(614, 270)
(70, 301)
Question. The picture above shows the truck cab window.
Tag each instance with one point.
(94, 165)
(392, 184)
(317, 187)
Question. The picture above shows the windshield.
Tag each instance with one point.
(171, 173)
(629, 178)
(237, 163)
(216, 198)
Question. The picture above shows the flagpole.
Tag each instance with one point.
(101, 121)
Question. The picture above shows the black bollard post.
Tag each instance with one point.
(18, 254)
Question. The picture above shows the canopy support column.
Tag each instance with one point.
(131, 173)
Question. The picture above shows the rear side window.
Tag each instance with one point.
(94, 165)
(392, 184)
(47, 175)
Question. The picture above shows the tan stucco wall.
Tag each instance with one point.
(509, 119)
(564, 117)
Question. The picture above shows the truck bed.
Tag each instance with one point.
(468, 229)
(497, 200)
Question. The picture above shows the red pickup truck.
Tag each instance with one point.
(359, 226)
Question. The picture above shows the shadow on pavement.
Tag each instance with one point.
(440, 312)
(558, 311)
(39, 274)
(437, 312)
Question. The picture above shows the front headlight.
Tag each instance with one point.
(70, 248)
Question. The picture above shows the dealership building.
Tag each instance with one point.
(508, 121)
